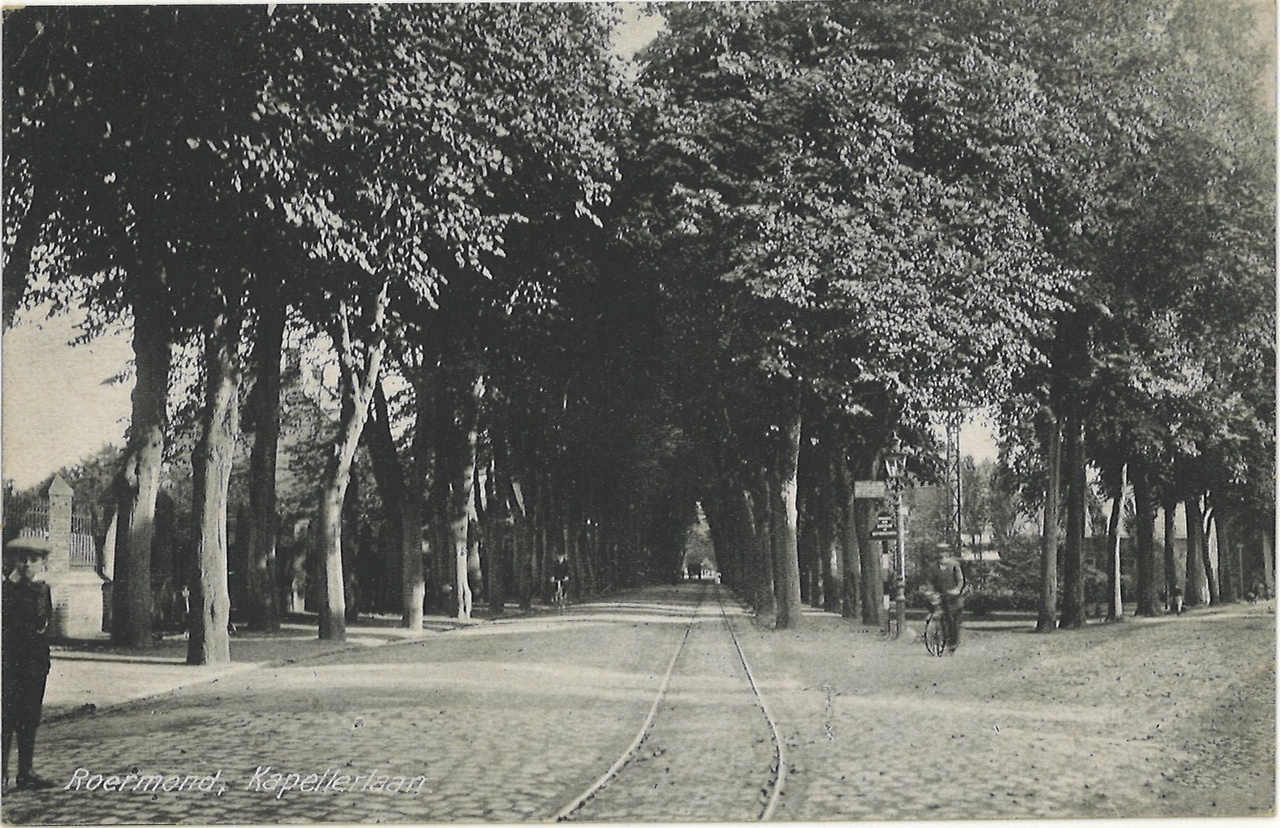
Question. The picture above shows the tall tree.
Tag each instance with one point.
(826, 178)
(132, 208)
(263, 416)
(434, 129)
(210, 619)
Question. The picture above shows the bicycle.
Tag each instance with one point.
(935, 633)
(558, 598)
(944, 610)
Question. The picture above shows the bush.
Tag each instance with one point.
(987, 601)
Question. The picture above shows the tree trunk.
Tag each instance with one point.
(1211, 573)
(496, 521)
(522, 555)
(332, 587)
(442, 575)
(786, 569)
(808, 542)
(475, 570)
(1196, 590)
(17, 270)
(1230, 561)
(460, 480)
(766, 602)
(1172, 571)
(1046, 620)
(832, 567)
(417, 551)
(1115, 596)
(209, 640)
(729, 519)
(354, 546)
(869, 556)
(1073, 610)
(1195, 529)
(138, 482)
(1268, 560)
(580, 564)
(1147, 557)
(264, 411)
(1229, 581)
(358, 384)
(850, 588)
(540, 519)
(402, 500)
(388, 471)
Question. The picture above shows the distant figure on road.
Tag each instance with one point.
(944, 585)
(27, 610)
(560, 573)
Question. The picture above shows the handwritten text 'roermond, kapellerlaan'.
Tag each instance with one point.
(265, 779)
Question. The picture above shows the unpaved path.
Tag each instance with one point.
(1161, 717)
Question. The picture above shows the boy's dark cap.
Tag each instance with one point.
(37, 546)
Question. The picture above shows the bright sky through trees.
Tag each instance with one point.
(59, 405)
(636, 29)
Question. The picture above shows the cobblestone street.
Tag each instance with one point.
(509, 720)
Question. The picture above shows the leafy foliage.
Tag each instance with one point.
(877, 209)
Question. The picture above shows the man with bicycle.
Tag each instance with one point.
(944, 587)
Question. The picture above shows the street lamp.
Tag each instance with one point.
(895, 462)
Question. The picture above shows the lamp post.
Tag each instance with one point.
(895, 470)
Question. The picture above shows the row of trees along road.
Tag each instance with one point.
(565, 297)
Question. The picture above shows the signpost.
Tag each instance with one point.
(885, 528)
(888, 525)
(870, 490)
(895, 468)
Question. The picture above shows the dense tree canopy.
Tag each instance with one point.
(553, 304)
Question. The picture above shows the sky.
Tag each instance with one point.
(56, 409)
(636, 29)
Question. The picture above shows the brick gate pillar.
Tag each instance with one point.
(60, 497)
(77, 593)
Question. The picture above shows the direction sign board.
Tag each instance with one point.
(869, 489)
(884, 528)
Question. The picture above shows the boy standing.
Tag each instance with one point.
(27, 610)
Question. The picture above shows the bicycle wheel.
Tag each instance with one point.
(934, 640)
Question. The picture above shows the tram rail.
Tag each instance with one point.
(771, 786)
